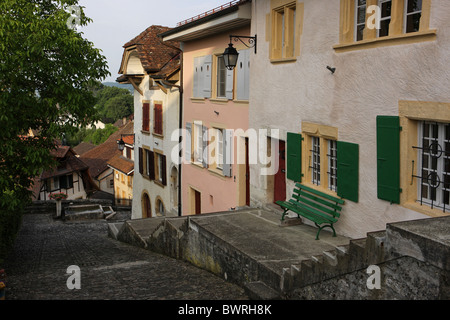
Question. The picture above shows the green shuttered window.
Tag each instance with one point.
(347, 165)
(388, 158)
(294, 156)
(347, 170)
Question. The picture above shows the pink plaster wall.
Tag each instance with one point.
(217, 193)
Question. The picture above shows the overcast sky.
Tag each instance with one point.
(115, 22)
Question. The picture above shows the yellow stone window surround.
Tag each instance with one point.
(396, 35)
(411, 113)
(284, 26)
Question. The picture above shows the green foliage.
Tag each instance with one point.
(98, 136)
(47, 72)
(113, 103)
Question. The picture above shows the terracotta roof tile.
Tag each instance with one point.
(122, 164)
(98, 157)
(153, 52)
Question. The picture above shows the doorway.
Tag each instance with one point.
(195, 201)
(279, 193)
(247, 174)
(146, 206)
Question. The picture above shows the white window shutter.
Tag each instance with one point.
(229, 84)
(195, 90)
(188, 142)
(207, 70)
(243, 75)
(227, 152)
(205, 146)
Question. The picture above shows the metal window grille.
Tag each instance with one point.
(433, 170)
(315, 157)
(332, 165)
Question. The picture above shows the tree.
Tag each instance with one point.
(47, 72)
(113, 103)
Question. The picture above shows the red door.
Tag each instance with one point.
(279, 193)
(198, 205)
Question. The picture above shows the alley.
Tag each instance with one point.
(45, 248)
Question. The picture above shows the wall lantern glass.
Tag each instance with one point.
(230, 55)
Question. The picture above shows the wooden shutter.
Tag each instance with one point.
(141, 161)
(163, 170)
(227, 152)
(205, 146)
(243, 75)
(188, 142)
(229, 84)
(151, 165)
(158, 118)
(207, 70)
(347, 170)
(146, 116)
(294, 156)
(388, 158)
(196, 78)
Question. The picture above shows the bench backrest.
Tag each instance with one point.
(327, 204)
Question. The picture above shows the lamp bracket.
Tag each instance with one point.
(251, 40)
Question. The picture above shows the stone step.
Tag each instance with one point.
(258, 290)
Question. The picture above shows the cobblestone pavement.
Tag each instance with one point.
(45, 248)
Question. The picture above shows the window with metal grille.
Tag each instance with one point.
(332, 165)
(433, 170)
(315, 160)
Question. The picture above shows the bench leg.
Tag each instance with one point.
(284, 213)
(320, 229)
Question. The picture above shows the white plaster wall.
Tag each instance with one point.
(170, 123)
(367, 83)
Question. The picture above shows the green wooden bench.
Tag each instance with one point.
(320, 208)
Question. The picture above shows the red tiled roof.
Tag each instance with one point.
(128, 140)
(68, 163)
(121, 164)
(153, 52)
(98, 157)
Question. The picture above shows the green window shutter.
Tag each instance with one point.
(388, 158)
(347, 170)
(294, 157)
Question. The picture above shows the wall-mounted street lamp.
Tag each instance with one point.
(230, 55)
(121, 143)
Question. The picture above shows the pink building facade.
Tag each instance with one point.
(215, 171)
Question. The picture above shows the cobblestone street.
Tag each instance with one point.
(45, 248)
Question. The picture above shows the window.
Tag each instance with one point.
(146, 117)
(223, 80)
(386, 9)
(160, 170)
(221, 77)
(413, 12)
(283, 31)
(360, 20)
(413, 157)
(434, 165)
(401, 21)
(332, 165)
(158, 119)
(315, 160)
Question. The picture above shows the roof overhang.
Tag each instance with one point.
(231, 18)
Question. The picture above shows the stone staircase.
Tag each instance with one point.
(178, 237)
